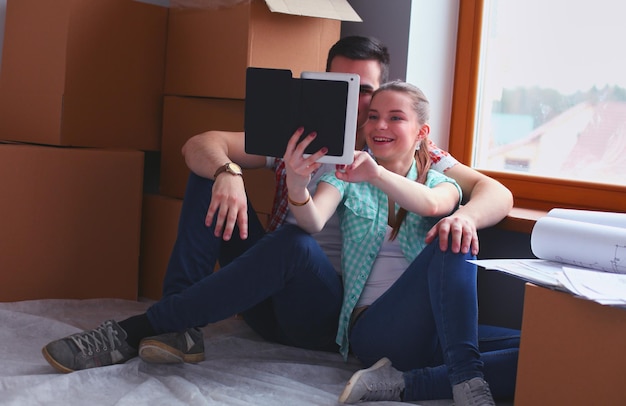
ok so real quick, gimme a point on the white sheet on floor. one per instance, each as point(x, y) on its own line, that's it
point(240, 367)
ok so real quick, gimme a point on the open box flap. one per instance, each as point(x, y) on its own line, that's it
point(333, 9)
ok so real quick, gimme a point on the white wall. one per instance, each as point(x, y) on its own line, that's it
point(431, 58)
point(421, 37)
point(389, 22)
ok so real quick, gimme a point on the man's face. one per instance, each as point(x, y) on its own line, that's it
point(369, 72)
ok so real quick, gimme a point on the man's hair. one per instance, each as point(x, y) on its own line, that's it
point(361, 48)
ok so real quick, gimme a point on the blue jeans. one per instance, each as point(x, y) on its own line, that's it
point(282, 283)
point(427, 325)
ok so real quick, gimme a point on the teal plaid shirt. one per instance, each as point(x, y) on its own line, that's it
point(363, 212)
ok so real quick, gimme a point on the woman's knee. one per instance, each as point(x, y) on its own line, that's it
point(293, 237)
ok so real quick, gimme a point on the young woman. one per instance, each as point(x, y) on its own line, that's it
point(404, 301)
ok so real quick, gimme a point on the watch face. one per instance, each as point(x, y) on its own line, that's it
point(234, 168)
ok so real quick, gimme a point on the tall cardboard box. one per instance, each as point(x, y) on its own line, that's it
point(159, 227)
point(572, 351)
point(71, 222)
point(184, 117)
point(208, 50)
point(83, 73)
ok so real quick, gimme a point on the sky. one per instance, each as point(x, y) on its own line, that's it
point(562, 44)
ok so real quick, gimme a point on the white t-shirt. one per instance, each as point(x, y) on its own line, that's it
point(389, 265)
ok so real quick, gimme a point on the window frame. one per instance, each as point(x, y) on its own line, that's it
point(530, 192)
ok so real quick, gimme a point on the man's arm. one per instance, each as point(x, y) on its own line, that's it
point(204, 154)
point(487, 202)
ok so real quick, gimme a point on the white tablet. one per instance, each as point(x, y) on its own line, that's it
point(277, 104)
point(350, 118)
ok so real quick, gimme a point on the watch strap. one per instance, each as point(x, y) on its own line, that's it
point(225, 168)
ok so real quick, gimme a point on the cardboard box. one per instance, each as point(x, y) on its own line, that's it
point(184, 117)
point(159, 227)
point(83, 73)
point(209, 50)
point(71, 222)
point(572, 351)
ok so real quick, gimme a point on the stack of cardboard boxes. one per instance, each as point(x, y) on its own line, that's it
point(88, 86)
point(80, 100)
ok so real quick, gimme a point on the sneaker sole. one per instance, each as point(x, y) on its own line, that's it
point(54, 363)
point(155, 352)
point(357, 375)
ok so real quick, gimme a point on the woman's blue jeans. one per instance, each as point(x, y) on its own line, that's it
point(282, 283)
point(427, 325)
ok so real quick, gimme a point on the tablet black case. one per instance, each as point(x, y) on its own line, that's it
point(277, 104)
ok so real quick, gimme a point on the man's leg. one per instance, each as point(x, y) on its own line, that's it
point(305, 312)
point(494, 338)
point(197, 249)
point(288, 267)
point(193, 258)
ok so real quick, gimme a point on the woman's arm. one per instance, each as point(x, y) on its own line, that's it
point(417, 198)
point(413, 196)
point(311, 213)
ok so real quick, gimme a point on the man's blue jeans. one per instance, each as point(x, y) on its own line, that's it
point(282, 283)
point(427, 325)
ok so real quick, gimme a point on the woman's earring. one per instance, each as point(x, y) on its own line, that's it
point(417, 147)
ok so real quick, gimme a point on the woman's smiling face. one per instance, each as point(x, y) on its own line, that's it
point(393, 129)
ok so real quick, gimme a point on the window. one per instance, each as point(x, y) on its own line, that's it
point(540, 100)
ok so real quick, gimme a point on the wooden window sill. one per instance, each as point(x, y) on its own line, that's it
point(521, 220)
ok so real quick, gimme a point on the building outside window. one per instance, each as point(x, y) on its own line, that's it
point(545, 82)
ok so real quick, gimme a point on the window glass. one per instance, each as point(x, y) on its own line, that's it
point(552, 90)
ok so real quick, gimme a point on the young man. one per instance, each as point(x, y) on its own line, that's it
point(286, 284)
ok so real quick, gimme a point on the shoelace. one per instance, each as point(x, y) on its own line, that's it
point(382, 391)
point(95, 340)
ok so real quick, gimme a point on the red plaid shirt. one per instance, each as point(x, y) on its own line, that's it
point(280, 205)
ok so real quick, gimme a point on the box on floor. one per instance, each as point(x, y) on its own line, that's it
point(71, 224)
point(572, 351)
point(83, 73)
point(159, 226)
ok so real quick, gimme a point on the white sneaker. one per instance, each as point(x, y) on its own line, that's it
point(381, 381)
point(474, 392)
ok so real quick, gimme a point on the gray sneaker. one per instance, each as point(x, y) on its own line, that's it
point(474, 392)
point(173, 348)
point(105, 345)
point(381, 381)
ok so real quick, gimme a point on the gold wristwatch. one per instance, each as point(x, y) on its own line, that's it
point(229, 167)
